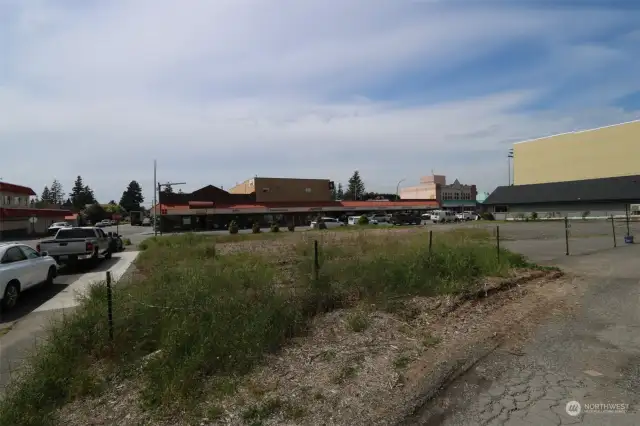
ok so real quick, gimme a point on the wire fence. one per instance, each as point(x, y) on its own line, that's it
point(537, 239)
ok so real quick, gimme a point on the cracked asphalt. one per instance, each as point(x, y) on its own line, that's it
point(591, 356)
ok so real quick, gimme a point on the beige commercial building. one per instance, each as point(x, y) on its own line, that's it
point(591, 154)
point(277, 190)
point(434, 187)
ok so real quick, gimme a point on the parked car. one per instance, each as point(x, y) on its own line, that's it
point(329, 221)
point(465, 216)
point(378, 218)
point(146, 221)
point(81, 243)
point(405, 219)
point(54, 228)
point(103, 223)
point(443, 216)
point(21, 267)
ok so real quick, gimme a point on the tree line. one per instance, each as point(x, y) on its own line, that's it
point(355, 191)
point(82, 200)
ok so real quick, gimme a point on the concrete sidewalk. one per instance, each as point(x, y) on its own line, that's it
point(592, 357)
point(26, 333)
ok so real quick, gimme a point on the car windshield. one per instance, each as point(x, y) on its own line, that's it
point(75, 233)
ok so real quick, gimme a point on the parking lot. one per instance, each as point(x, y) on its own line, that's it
point(545, 241)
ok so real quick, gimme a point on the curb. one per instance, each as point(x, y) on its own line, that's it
point(445, 374)
point(447, 371)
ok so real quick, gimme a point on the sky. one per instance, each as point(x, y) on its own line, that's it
point(219, 91)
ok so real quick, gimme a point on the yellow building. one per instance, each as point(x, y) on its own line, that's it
point(591, 154)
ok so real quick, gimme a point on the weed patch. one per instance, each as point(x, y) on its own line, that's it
point(210, 318)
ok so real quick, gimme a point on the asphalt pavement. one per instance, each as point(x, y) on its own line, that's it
point(582, 369)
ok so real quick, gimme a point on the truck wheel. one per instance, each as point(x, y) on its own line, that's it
point(51, 274)
point(11, 293)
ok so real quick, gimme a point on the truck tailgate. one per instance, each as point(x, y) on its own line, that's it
point(64, 247)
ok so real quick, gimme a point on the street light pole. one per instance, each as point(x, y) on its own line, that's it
point(155, 216)
point(509, 157)
point(398, 188)
point(155, 198)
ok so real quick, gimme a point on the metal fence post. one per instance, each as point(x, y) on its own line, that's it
point(110, 305)
point(566, 233)
point(613, 230)
point(316, 260)
point(498, 240)
point(430, 240)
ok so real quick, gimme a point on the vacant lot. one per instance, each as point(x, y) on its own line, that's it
point(263, 330)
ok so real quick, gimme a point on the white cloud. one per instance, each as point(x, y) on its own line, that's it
point(218, 91)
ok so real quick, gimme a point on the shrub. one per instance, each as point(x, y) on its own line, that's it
point(291, 227)
point(534, 216)
point(585, 215)
point(487, 216)
point(255, 228)
point(233, 227)
point(363, 220)
point(275, 227)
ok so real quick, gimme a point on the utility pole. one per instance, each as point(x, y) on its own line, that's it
point(398, 188)
point(155, 198)
point(509, 157)
point(159, 189)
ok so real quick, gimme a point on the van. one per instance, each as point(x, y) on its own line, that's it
point(443, 216)
point(353, 220)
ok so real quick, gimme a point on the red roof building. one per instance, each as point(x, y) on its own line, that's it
point(18, 217)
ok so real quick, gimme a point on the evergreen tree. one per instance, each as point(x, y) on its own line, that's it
point(81, 195)
point(167, 189)
point(56, 193)
point(355, 188)
point(87, 193)
point(339, 192)
point(132, 197)
point(46, 196)
point(334, 193)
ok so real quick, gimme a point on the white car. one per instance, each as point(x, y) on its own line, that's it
point(54, 228)
point(443, 216)
point(21, 267)
point(464, 216)
point(329, 221)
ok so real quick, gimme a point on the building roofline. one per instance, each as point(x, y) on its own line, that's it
point(577, 131)
point(16, 189)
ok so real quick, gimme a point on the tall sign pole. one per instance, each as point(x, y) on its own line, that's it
point(509, 158)
point(155, 198)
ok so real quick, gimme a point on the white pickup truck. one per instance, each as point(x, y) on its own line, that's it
point(73, 244)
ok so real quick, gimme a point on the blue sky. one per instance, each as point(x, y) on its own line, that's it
point(218, 91)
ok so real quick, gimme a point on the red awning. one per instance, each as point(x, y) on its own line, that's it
point(8, 212)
